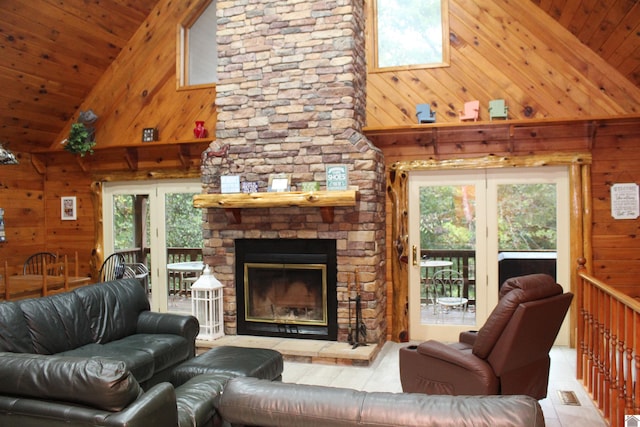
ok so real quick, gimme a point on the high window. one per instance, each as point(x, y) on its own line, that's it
point(198, 59)
point(409, 34)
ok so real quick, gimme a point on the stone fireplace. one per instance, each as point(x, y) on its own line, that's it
point(291, 99)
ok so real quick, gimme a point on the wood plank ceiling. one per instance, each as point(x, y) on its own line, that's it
point(55, 51)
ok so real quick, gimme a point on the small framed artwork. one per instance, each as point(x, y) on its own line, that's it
point(249, 187)
point(279, 182)
point(337, 177)
point(230, 184)
point(68, 208)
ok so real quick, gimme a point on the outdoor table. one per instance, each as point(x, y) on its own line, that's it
point(187, 268)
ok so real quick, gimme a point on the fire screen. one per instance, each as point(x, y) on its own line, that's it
point(292, 294)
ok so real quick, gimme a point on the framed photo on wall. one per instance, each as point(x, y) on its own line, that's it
point(68, 208)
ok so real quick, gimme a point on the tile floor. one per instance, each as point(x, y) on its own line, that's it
point(377, 370)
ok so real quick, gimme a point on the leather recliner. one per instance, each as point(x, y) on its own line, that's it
point(508, 355)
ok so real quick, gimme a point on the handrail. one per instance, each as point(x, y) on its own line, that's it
point(608, 353)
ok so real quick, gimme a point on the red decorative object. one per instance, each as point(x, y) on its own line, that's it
point(199, 131)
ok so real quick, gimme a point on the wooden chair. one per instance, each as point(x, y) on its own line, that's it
point(498, 109)
point(470, 111)
point(424, 114)
point(33, 264)
point(55, 269)
point(5, 282)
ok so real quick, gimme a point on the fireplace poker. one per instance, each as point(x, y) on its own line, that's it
point(350, 334)
point(361, 328)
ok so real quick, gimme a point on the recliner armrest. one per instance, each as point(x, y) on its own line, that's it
point(468, 337)
point(450, 354)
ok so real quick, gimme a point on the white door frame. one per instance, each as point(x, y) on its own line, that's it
point(156, 190)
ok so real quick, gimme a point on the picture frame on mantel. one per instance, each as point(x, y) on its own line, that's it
point(279, 182)
point(68, 211)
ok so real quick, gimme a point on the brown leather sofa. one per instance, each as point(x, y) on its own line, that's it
point(508, 355)
point(254, 402)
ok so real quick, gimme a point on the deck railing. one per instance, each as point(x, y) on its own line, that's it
point(608, 348)
point(135, 255)
point(463, 261)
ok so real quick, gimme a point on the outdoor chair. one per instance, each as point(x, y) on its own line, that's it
point(113, 268)
point(448, 288)
point(508, 355)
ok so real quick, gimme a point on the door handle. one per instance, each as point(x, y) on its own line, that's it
point(415, 254)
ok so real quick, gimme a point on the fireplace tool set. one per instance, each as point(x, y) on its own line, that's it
point(357, 330)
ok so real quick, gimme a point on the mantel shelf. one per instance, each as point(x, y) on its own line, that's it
point(234, 202)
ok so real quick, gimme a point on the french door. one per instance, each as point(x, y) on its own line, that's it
point(159, 200)
point(463, 222)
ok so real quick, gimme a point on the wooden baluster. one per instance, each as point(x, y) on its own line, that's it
point(628, 392)
point(621, 358)
point(613, 388)
point(636, 353)
point(606, 356)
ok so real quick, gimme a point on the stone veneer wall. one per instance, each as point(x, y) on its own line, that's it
point(291, 99)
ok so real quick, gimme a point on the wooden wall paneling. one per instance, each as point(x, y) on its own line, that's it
point(527, 55)
point(149, 98)
point(65, 178)
point(616, 46)
point(22, 198)
point(609, 92)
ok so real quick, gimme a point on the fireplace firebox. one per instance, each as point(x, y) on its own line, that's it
point(287, 288)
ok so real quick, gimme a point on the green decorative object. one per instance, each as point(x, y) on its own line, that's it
point(81, 139)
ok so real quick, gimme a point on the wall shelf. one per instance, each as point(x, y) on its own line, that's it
point(233, 203)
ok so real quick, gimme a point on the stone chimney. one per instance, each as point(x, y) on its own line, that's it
point(291, 99)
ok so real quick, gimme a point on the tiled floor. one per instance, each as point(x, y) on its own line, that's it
point(331, 367)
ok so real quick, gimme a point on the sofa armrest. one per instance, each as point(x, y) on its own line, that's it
point(449, 354)
point(156, 407)
point(150, 322)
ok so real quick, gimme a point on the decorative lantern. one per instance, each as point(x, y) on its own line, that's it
point(207, 305)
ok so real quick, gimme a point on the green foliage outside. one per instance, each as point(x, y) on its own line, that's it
point(526, 217)
point(183, 228)
point(409, 32)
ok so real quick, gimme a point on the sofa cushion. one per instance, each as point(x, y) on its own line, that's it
point(165, 349)
point(99, 383)
point(113, 308)
point(56, 323)
point(14, 332)
point(139, 362)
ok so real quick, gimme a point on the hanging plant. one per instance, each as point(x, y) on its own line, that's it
point(81, 139)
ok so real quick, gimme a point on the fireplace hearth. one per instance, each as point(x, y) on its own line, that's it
point(287, 288)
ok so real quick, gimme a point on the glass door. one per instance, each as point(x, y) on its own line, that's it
point(447, 278)
point(157, 222)
point(474, 229)
point(529, 230)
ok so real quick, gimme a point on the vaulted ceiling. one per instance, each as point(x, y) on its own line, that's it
point(54, 51)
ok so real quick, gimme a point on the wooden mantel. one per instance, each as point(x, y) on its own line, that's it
point(233, 203)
